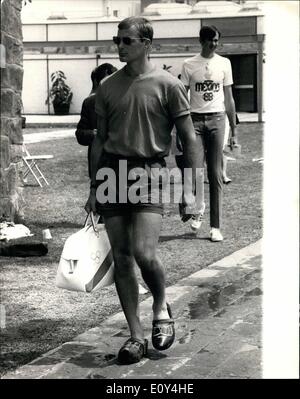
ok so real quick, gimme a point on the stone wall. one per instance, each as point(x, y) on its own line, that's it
point(11, 136)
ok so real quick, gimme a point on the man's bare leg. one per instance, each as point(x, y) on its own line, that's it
point(145, 235)
point(119, 230)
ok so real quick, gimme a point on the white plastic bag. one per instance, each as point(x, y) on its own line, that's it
point(10, 231)
point(86, 262)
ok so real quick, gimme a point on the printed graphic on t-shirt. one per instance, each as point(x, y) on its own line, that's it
point(207, 88)
point(206, 79)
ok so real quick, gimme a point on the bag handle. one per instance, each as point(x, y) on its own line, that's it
point(94, 220)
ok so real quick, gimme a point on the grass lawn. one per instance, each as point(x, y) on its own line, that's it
point(40, 316)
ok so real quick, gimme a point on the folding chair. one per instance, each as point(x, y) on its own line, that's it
point(32, 167)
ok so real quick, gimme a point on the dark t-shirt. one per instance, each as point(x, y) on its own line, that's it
point(140, 112)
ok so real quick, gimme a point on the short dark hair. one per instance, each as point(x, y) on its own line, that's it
point(208, 32)
point(101, 71)
point(143, 26)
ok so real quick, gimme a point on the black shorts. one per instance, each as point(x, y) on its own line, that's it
point(148, 188)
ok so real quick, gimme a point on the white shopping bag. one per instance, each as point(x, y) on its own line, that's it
point(86, 262)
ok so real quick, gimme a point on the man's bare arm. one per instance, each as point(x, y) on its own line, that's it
point(186, 133)
point(187, 136)
point(231, 112)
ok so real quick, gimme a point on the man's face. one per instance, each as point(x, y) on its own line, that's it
point(210, 45)
point(135, 50)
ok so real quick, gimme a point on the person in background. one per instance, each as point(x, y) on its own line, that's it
point(208, 78)
point(87, 125)
point(137, 108)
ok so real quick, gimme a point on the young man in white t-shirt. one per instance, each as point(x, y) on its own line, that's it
point(208, 77)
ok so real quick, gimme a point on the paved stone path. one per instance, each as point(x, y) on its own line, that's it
point(218, 332)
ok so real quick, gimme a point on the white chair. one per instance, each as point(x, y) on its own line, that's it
point(31, 162)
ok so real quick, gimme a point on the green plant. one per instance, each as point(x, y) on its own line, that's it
point(60, 93)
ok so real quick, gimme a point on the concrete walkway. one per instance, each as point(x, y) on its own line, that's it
point(56, 120)
point(218, 319)
point(64, 120)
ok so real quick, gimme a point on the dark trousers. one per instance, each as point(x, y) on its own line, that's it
point(210, 130)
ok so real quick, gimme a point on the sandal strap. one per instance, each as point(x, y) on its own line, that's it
point(163, 321)
point(137, 343)
point(169, 311)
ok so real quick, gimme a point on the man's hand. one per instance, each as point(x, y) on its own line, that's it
point(233, 141)
point(90, 206)
point(187, 208)
point(186, 212)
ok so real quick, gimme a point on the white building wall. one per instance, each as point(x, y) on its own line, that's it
point(78, 67)
point(107, 30)
point(77, 70)
point(34, 33)
point(40, 10)
point(34, 91)
point(71, 32)
point(177, 28)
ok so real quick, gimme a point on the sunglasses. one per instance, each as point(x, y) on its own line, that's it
point(127, 40)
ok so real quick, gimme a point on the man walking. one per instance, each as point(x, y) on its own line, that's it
point(87, 125)
point(208, 76)
point(137, 107)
